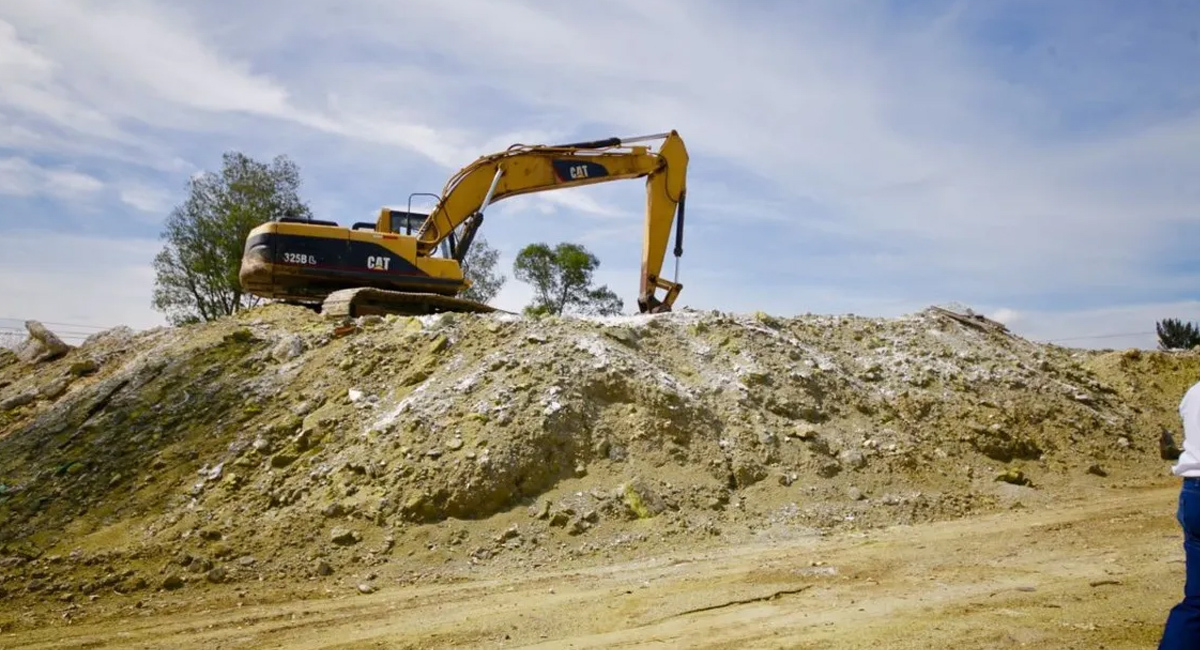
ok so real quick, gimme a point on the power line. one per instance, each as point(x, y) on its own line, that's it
point(5, 328)
point(46, 322)
point(55, 330)
point(60, 332)
point(1100, 336)
point(61, 335)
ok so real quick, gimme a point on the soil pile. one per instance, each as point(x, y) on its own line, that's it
point(276, 445)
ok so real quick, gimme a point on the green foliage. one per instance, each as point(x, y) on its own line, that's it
point(1174, 334)
point(196, 273)
point(480, 267)
point(562, 280)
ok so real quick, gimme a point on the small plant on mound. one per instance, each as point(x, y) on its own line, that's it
point(1174, 334)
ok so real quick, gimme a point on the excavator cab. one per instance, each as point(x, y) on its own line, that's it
point(406, 222)
point(403, 222)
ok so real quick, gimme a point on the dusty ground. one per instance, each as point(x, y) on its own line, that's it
point(1095, 570)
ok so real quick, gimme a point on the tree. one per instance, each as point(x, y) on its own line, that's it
point(196, 272)
point(480, 266)
point(562, 279)
point(1174, 334)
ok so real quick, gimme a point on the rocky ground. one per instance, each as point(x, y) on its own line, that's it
point(278, 455)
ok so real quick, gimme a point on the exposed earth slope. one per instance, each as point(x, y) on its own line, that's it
point(276, 448)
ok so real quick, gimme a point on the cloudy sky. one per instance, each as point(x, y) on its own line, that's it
point(1037, 162)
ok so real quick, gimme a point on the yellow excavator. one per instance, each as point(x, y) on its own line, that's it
point(411, 263)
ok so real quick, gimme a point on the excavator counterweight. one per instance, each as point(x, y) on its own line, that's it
point(411, 263)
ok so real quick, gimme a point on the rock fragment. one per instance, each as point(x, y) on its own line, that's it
point(344, 536)
point(83, 367)
point(439, 343)
point(42, 344)
point(54, 389)
point(852, 458)
point(18, 400)
point(1013, 476)
point(641, 500)
point(289, 347)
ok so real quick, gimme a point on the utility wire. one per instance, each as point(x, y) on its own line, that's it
point(46, 322)
point(67, 330)
point(60, 334)
point(56, 331)
point(1100, 336)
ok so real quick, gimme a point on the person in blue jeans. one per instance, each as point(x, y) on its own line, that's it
point(1182, 630)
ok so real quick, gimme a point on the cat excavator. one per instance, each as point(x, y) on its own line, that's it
point(410, 262)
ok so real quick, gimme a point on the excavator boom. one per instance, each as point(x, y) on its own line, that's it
point(525, 169)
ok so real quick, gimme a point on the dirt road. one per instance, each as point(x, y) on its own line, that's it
point(1099, 571)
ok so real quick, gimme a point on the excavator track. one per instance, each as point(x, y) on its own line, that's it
point(363, 301)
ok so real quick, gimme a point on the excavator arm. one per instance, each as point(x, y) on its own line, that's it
point(523, 169)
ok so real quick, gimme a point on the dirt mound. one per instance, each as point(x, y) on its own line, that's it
point(278, 445)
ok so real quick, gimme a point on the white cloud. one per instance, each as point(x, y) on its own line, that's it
point(171, 76)
point(136, 50)
point(1006, 316)
point(513, 296)
point(28, 78)
point(19, 177)
point(579, 201)
point(153, 200)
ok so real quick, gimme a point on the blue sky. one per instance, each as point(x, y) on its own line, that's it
point(1034, 161)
